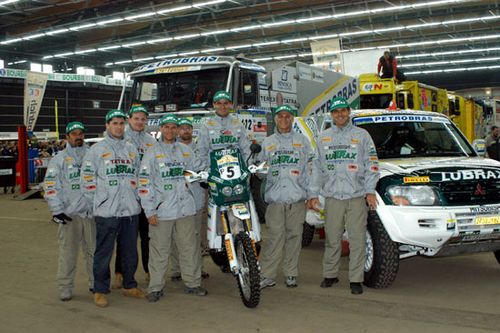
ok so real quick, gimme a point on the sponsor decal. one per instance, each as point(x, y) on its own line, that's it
point(149, 145)
point(352, 167)
point(373, 158)
point(271, 147)
point(485, 209)
point(275, 173)
point(113, 182)
point(186, 154)
point(69, 160)
point(470, 174)
point(326, 139)
point(374, 168)
point(132, 155)
point(167, 187)
point(50, 193)
point(479, 190)
point(173, 172)
point(88, 178)
point(75, 186)
point(398, 118)
point(143, 191)
point(50, 183)
point(143, 181)
point(341, 155)
point(298, 145)
point(90, 187)
point(295, 172)
point(354, 141)
point(106, 155)
point(133, 183)
point(160, 156)
point(422, 179)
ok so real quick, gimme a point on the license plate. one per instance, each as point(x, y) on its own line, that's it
point(487, 220)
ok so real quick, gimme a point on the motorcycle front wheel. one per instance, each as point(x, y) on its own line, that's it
point(248, 277)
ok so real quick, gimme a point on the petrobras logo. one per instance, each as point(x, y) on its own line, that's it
point(176, 62)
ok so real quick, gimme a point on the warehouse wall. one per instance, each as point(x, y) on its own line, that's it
point(75, 102)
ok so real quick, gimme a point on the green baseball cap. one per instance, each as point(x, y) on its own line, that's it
point(115, 114)
point(222, 94)
point(169, 119)
point(338, 103)
point(138, 108)
point(185, 121)
point(285, 108)
point(73, 126)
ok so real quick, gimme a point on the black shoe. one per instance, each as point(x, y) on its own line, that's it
point(198, 291)
point(356, 288)
point(176, 277)
point(205, 275)
point(154, 296)
point(328, 282)
point(225, 269)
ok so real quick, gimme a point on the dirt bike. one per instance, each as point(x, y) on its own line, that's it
point(233, 225)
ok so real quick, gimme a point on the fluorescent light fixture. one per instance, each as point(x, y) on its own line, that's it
point(295, 40)
point(109, 63)
point(86, 51)
point(35, 67)
point(123, 62)
point(83, 26)
point(277, 24)
point(110, 21)
point(171, 55)
point(208, 3)
point(266, 43)
point(264, 59)
point(213, 50)
point(235, 47)
point(159, 40)
point(10, 41)
point(133, 44)
point(460, 69)
point(286, 57)
point(175, 9)
point(2, 63)
point(143, 59)
point(314, 19)
point(7, 2)
point(423, 25)
point(186, 36)
point(34, 36)
point(216, 32)
point(106, 48)
point(245, 28)
point(55, 32)
point(188, 53)
point(133, 17)
point(63, 54)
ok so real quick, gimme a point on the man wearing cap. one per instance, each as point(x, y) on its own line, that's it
point(170, 208)
point(185, 136)
point(136, 135)
point(70, 210)
point(286, 153)
point(222, 130)
point(345, 172)
point(109, 173)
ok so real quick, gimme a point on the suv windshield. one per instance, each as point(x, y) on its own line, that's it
point(401, 139)
point(179, 91)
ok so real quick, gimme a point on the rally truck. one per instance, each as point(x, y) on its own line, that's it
point(436, 196)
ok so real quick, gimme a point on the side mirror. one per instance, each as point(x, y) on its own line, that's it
point(255, 148)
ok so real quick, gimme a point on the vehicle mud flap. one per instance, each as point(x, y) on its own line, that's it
point(382, 262)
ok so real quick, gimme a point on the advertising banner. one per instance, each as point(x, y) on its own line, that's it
point(34, 89)
point(326, 54)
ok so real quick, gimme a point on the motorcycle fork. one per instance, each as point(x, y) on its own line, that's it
point(229, 244)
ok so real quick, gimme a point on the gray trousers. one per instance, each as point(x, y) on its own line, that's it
point(201, 235)
point(340, 215)
point(284, 224)
point(72, 235)
point(183, 232)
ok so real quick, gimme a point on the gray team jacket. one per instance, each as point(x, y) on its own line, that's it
point(62, 183)
point(199, 193)
point(109, 178)
point(346, 164)
point(287, 156)
point(162, 187)
point(141, 140)
point(220, 133)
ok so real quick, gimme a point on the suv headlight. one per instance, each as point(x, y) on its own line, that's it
point(412, 195)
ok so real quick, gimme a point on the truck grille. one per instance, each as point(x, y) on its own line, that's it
point(471, 192)
point(466, 223)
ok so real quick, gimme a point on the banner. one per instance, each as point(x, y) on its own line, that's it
point(284, 79)
point(326, 54)
point(34, 89)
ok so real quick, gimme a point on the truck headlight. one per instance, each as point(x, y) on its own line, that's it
point(412, 195)
point(238, 189)
point(227, 191)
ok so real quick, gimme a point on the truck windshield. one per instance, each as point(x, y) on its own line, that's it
point(179, 91)
point(401, 139)
point(376, 101)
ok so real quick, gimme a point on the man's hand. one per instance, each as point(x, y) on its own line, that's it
point(371, 200)
point(153, 220)
point(61, 218)
point(313, 204)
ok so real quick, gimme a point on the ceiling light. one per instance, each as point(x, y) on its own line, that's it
point(34, 36)
point(7, 2)
point(83, 26)
point(159, 40)
point(186, 36)
point(175, 9)
point(143, 59)
point(106, 48)
point(123, 62)
point(104, 22)
point(55, 32)
point(63, 54)
point(133, 17)
point(86, 51)
point(133, 44)
point(213, 50)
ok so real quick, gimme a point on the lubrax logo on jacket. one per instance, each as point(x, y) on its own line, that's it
point(285, 157)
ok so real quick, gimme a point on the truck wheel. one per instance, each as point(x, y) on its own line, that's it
point(497, 255)
point(382, 255)
point(307, 234)
point(257, 187)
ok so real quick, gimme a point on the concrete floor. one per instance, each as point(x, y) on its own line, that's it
point(458, 294)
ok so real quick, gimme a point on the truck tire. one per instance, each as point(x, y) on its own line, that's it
point(307, 234)
point(257, 186)
point(497, 255)
point(382, 255)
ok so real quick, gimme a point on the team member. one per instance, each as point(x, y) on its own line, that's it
point(286, 153)
point(170, 208)
point(185, 136)
point(135, 134)
point(492, 144)
point(345, 172)
point(70, 211)
point(109, 173)
point(222, 130)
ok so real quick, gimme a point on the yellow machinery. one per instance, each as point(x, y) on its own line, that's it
point(468, 116)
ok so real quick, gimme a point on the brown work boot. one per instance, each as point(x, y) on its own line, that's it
point(118, 284)
point(134, 292)
point(100, 300)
